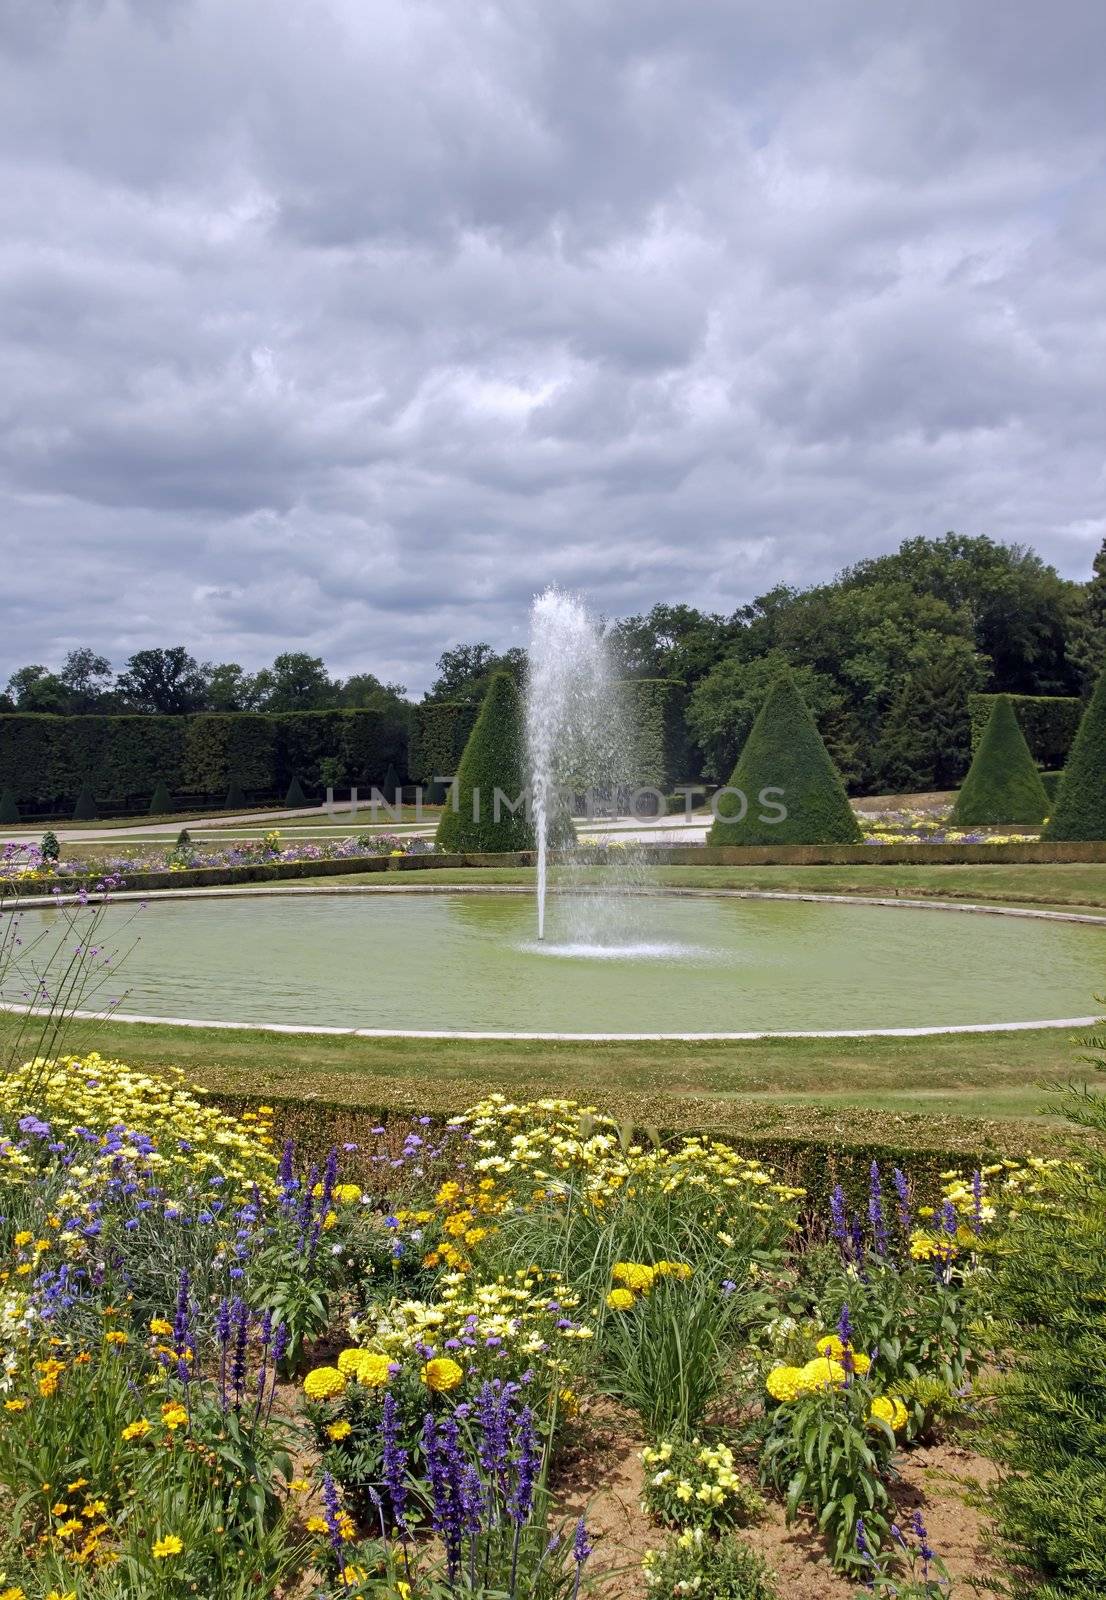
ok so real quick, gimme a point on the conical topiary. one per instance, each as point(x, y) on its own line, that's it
point(161, 801)
point(85, 809)
point(235, 800)
point(390, 785)
point(784, 755)
point(494, 758)
point(295, 796)
point(1003, 783)
point(9, 807)
point(1080, 808)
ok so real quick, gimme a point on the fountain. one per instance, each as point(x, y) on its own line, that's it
point(578, 736)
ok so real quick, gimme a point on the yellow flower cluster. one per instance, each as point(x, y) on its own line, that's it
point(189, 1138)
point(542, 1149)
point(699, 1473)
point(531, 1314)
point(633, 1278)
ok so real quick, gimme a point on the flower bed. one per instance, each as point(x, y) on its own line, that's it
point(39, 863)
point(228, 1369)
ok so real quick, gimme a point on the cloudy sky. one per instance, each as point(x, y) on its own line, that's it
point(344, 325)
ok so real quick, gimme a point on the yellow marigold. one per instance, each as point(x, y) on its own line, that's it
point(785, 1383)
point(441, 1374)
point(323, 1382)
point(924, 1247)
point(171, 1545)
point(136, 1430)
point(316, 1525)
point(822, 1373)
point(620, 1300)
point(159, 1326)
point(889, 1409)
point(339, 1430)
point(347, 1193)
point(673, 1269)
point(173, 1415)
point(369, 1367)
point(633, 1275)
point(16, 1405)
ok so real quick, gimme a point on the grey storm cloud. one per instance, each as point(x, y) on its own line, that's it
point(345, 326)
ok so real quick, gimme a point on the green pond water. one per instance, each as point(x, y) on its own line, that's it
point(653, 964)
point(631, 965)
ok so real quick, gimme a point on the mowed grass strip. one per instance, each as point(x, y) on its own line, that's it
point(923, 1088)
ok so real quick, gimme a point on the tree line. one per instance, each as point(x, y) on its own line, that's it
point(885, 655)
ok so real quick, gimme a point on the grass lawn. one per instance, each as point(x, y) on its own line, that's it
point(916, 1090)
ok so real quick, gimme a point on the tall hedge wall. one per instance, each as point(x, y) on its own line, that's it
point(44, 759)
point(439, 733)
point(1048, 721)
point(657, 707)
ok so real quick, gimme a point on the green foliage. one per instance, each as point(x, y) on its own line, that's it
point(924, 742)
point(657, 711)
point(712, 1569)
point(9, 808)
point(784, 763)
point(1049, 1418)
point(1003, 784)
point(235, 799)
point(85, 808)
point(1080, 809)
point(1049, 722)
point(666, 1355)
point(161, 801)
point(440, 730)
point(824, 1452)
point(295, 796)
point(44, 759)
point(494, 761)
point(725, 704)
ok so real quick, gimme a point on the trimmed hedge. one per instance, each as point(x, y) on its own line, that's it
point(1048, 721)
point(494, 759)
point(784, 754)
point(439, 733)
point(1003, 784)
point(45, 759)
point(161, 801)
point(1080, 809)
point(656, 707)
point(9, 810)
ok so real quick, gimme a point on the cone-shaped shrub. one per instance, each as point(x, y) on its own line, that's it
point(390, 785)
point(494, 758)
point(1080, 808)
point(85, 809)
point(161, 802)
point(1003, 783)
point(236, 799)
point(9, 808)
point(295, 796)
point(784, 751)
